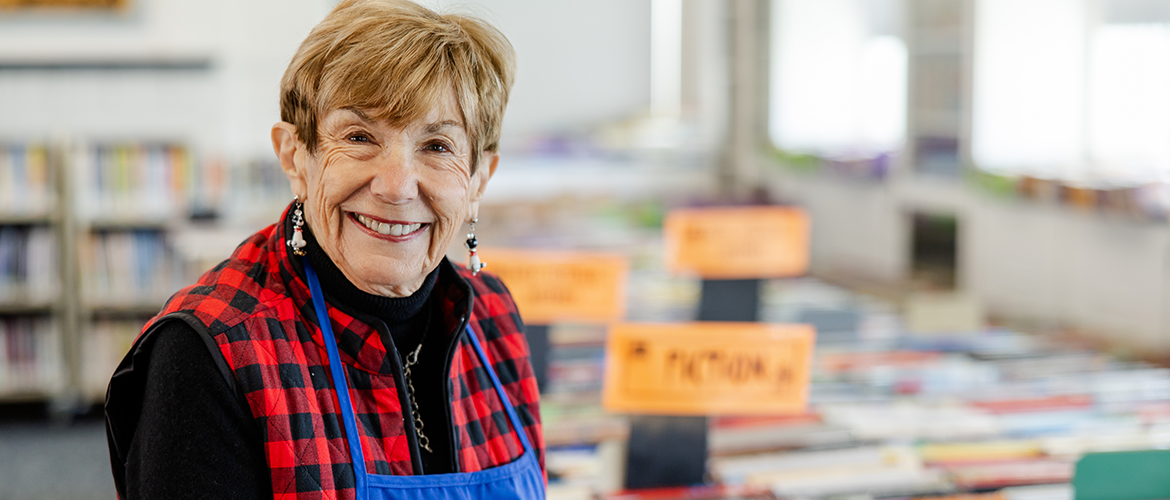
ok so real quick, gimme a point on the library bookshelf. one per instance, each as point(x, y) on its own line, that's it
point(87, 252)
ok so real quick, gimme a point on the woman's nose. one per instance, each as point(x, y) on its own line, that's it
point(395, 178)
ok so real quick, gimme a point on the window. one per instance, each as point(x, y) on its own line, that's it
point(838, 82)
point(1076, 90)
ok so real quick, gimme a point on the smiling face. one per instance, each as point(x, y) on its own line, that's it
point(384, 201)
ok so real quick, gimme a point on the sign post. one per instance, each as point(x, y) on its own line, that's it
point(555, 286)
point(732, 249)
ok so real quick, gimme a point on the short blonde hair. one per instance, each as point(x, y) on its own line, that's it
point(399, 59)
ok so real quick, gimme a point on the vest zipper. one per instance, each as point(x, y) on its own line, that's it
point(403, 399)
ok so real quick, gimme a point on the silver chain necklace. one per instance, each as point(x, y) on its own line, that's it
point(412, 360)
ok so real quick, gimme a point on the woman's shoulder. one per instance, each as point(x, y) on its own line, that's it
point(487, 288)
point(492, 302)
point(238, 288)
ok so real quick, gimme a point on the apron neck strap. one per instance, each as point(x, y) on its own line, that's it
point(341, 386)
point(487, 364)
point(337, 371)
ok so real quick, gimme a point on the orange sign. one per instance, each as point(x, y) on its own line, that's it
point(551, 286)
point(707, 368)
point(737, 242)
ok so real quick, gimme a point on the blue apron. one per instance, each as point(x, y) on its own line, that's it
point(521, 479)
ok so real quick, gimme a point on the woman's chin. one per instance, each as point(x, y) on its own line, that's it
point(378, 272)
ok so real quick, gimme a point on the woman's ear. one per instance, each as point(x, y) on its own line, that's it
point(285, 145)
point(488, 162)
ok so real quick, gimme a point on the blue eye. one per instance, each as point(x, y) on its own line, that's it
point(358, 138)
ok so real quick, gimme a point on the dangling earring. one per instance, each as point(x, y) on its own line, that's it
point(473, 263)
point(297, 242)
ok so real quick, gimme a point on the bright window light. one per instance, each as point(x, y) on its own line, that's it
point(1129, 102)
point(1027, 102)
point(666, 57)
point(837, 88)
point(1060, 94)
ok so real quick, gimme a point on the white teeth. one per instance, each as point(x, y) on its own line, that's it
point(389, 229)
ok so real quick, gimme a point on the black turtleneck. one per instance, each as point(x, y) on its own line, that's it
point(405, 317)
point(409, 321)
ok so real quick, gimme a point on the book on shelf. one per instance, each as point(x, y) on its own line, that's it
point(30, 355)
point(132, 180)
point(28, 264)
point(26, 180)
point(133, 268)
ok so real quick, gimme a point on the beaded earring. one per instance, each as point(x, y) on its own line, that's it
point(473, 263)
point(297, 241)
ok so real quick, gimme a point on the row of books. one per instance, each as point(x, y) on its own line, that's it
point(165, 180)
point(28, 264)
point(26, 180)
point(862, 167)
point(129, 268)
point(896, 411)
point(30, 355)
point(131, 179)
point(899, 414)
point(1148, 201)
point(255, 190)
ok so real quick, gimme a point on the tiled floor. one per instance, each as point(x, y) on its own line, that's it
point(52, 461)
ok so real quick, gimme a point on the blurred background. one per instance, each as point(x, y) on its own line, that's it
point(988, 183)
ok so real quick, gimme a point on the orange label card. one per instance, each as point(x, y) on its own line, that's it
point(737, 242)
point(707, 368)
point(554, 286)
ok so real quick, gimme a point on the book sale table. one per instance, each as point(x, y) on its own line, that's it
point(889, 409)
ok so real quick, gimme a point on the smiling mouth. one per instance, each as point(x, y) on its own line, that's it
point(388, 228)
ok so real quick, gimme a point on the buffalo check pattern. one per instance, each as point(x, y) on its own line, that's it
point(256, 307)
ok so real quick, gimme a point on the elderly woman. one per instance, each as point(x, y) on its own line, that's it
point(338, 353)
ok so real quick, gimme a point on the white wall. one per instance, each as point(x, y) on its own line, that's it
point(226, 109)
point(581, 64)
point(1064, 266)
point(857, 228)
